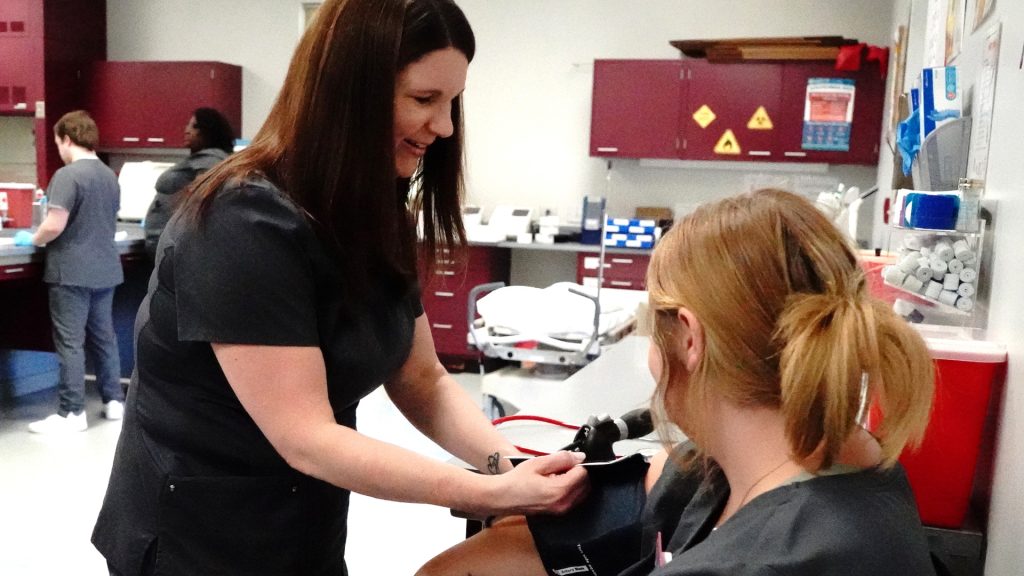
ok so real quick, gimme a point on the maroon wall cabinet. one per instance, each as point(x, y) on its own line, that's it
point(21, 56)
point(693, 110)
point(865, 130)
point(44, 46)
point(635, 112)
point(148, 104)
point(731, 111)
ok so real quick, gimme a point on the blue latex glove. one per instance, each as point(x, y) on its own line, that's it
point(908, 139)
point(23, 238)
point(940, 115)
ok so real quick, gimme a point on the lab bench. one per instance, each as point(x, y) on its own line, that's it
point(26, 342)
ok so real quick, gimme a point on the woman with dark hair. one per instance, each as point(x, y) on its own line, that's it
point(284, 292)
point(209, 139)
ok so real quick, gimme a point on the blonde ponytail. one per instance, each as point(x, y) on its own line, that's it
point(829, 343)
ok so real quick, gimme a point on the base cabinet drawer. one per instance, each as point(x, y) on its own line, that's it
point(622, 271)
point(445, 295)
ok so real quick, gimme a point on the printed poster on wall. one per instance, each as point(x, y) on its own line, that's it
point(828, 114)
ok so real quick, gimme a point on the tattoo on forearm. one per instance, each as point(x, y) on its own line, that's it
point(492, 463)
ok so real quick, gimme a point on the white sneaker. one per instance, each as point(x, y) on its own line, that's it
point(57, 424)
point(113, 410)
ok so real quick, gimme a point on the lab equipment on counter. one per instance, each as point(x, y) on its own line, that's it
point(630, 233)
point(138, 187)
point(16, 204)
point(593, 216)
point(506, 222)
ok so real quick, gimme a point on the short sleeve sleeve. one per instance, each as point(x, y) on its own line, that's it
point(62, 192)
point(243, 275)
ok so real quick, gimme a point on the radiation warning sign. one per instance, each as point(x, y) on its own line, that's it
point(760, 120)
point(727, 144)
point(704, 116)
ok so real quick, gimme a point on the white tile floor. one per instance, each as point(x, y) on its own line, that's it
point(51, 490)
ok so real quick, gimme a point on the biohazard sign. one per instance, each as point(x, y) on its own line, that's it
point(727, 144)
point(704, 116)
point(760, 120)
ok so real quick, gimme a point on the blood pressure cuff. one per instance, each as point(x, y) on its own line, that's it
point(602, 535)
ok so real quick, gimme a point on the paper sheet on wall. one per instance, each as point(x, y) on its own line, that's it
point(935, 34)
point(985, 90)
point(954, 29)
point(981, 11)
point(828, 114)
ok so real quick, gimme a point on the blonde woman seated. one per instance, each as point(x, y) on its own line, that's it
point(765, 342)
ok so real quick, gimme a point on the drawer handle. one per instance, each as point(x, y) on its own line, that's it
point(622, 260)
point(795, 154)
point(607, 149)
point(13, 270)
point(444, 294)
point(442, 326)
point(129, 139)
point(759, 153)
point(155, 140)
point(621, 283)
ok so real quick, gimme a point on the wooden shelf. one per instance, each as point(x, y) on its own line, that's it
point(755, 49)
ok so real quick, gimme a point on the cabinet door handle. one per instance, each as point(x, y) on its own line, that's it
point(795, 154)
point(759, 153)
point(129, 139)
point(13, 270)
point(444, 294)
point(621, 283)
point(155, 140)
point(622, 260)
point(445, 272)
point(442, 326)
point(608, 149)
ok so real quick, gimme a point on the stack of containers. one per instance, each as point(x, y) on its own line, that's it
point(941, 267)
point(630, 233)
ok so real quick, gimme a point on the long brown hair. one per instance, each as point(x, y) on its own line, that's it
point(787, 324)
point(328, 140)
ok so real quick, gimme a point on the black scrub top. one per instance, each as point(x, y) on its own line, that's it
point(196, 488)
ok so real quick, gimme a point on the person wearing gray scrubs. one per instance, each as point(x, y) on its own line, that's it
point(82, 270)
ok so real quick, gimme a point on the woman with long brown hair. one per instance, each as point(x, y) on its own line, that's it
point(284, 292)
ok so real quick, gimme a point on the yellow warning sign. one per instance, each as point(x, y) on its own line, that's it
point(760, 120)
point(704, 116)
point(727, 144)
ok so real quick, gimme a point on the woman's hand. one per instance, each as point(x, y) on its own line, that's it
point(547, 484)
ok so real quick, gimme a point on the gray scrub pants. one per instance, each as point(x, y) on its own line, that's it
point(83, 323)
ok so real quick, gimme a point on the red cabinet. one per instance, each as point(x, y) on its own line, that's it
point(21, 52)
point(695, 110)
point(865, 130)
point(635, 111)
point(148, 104)
point(725, 104)
point(445, 296)
point(44, 47)
point(622, 271)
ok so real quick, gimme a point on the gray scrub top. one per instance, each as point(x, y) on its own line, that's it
point(85, 253)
